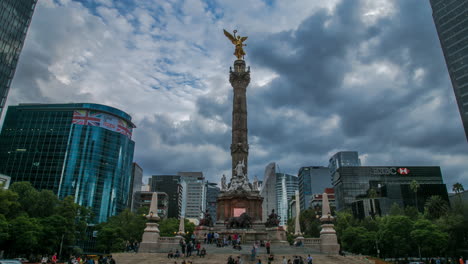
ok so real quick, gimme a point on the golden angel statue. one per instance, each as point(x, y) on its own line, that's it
point(238, 41)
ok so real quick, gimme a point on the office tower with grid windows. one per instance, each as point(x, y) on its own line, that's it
point(312, 180)
point(15, 17)
point(83, 150)
point(451, 21)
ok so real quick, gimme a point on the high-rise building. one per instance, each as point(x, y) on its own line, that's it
point(194, 195)
point(317, 200)
point(212, 192)
point(143, 199)
point(277, 191)
point(451, 21)
point(312, 180)
point(137, 181)
point(286, 186)
point(83, 150)
point(172, 185)
point(389, 185)
point(15, 17)
point(268, 191)
point(343, 159)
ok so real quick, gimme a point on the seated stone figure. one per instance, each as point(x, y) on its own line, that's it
point(273, 219)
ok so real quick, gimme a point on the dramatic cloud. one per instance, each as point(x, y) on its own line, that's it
point(327, 76)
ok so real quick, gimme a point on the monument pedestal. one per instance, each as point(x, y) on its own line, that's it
point(201, 231)
point(234, 203)
point(328, 240)
point(150, 239)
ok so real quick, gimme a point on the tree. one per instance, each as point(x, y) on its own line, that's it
point(395, 209)
point(393, 233)
point(169, 227)
point(27, 196)
point(414, 186)
point(25, 234)
point(458, 189)
point(359, 240)
point(435, 207)
point(4, 230)
point(9, 205)
point(429, 239)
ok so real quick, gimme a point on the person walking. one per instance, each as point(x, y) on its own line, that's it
point(461, 260)
point(268, 245)
point(189, 248)
point(284, 260)
point(198, 248)
point(253, 253)
point(309, 259)
point(183, 247)
point(54, 258)
point(296, 260)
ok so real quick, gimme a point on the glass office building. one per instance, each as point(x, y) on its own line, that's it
point(451, 21)
point(173, 186)
point(212, 192)
point(286, 186)
point(83, 150)
point(15, 17)
point(312, 180)
point(392, 184)
point(343, 159)
point(277, 191)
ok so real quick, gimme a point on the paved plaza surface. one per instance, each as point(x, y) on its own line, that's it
point(220, 255)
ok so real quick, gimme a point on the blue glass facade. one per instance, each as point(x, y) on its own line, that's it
point(286, 186)
point(451, 20)
point(83, 150)
point(312, 180)
point(15, 17)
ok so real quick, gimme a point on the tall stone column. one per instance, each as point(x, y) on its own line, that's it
point(239, 79)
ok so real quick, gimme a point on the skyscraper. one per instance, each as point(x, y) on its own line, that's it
point(286, 186)
point(212, 192)
point(15, 17)
point(277, 191)
point(172, 185)
point(312, 180)
point(343, 159)
point(194, 197)
point(137, 181)
point(84, 150)
point(451, 21)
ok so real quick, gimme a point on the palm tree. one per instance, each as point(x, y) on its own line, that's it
point(436, 207)
point(414, 186)
point(458, 188)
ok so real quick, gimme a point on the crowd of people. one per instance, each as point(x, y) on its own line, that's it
point(85, 259)
point(271, 258)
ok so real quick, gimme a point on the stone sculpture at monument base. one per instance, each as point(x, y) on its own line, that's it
point(150, 240)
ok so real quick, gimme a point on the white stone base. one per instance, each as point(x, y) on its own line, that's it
point(149, 243)
point(328, 240)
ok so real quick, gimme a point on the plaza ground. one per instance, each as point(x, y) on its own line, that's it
point(220, 256)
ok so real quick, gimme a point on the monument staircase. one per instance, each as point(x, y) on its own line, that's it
point(215, 257)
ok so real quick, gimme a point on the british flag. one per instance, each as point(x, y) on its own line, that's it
point(124, 129)
point(87, 118)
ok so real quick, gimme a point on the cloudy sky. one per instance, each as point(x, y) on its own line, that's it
point(328, 75)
